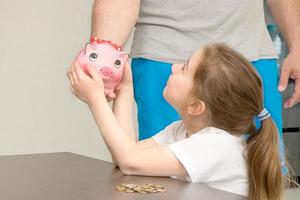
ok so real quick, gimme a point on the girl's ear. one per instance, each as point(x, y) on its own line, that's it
point(196, 108)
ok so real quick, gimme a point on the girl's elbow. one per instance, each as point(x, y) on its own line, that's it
point(126, 171)
point(128, 168)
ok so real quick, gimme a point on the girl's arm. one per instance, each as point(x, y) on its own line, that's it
point(156, 161)
point(153, 161)
point(123, 107)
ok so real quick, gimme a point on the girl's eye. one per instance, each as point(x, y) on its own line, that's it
point(93, 57)
point(117, 63)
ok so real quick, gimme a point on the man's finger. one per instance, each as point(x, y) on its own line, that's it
point(284, 78)
point(296, 96)
point(292, 101)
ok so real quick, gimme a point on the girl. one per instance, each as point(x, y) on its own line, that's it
point(218, 94)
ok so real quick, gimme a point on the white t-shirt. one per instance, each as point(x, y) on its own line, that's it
point(211, 156)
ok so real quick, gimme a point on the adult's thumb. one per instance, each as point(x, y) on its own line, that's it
point(284, 79)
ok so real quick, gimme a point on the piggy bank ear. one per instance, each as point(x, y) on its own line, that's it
point(124, 56)
point(90, 47)
point(121, 59)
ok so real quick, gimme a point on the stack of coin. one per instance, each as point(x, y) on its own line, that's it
point(142, 189)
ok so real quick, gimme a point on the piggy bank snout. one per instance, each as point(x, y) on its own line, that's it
point(107, 71)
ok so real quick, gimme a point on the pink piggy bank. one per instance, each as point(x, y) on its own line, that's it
point(107, 58)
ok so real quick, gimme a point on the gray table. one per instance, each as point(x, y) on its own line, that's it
point(68, 176)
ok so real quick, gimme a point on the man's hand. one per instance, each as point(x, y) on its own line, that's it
point(291, 69)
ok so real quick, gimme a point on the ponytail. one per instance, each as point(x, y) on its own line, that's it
point(264, 163)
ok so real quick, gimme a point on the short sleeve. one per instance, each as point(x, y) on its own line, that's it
point(167, 135)
point(203, 156)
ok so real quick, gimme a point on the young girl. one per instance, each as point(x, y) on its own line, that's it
point(218, 95)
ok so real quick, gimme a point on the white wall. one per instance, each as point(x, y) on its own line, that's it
point(38, 40)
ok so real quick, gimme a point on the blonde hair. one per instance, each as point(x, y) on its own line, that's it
point(232, 91)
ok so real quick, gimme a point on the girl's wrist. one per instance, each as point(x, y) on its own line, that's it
point(97, 99)
point(126, 90)
point(126, 87)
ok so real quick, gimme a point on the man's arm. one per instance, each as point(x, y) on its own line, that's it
point(286, 14)
point(114, 19)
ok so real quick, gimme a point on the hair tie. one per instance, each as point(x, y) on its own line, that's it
point(264, 114)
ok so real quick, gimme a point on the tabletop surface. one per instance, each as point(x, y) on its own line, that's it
point(68, 176)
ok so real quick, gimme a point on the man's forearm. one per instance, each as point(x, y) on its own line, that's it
point(286, 14)
point(114, 19)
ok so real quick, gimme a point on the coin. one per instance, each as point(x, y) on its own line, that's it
point(142, 189)
point(159, 186)
point(119, 188)
point(130, 186)
point(129, 191)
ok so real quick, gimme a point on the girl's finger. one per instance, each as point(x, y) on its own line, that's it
point(73, 91)
point(78, 71)
point(69, 74)
point(74, 75)
point(93, 72)
point(112, 96)
point(108, 99)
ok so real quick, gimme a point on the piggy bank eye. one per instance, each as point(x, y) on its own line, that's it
point(93, 57)
point(117, 63)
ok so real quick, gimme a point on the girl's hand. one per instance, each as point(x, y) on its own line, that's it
point(126, 82)
point(87, 87)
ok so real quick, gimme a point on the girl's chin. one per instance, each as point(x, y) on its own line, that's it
point(164, 92)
